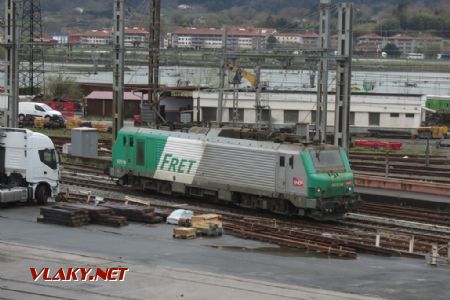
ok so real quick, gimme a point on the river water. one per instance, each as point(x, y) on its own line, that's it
point(425, 83)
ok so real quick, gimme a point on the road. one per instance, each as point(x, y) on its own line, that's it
point(226, 267)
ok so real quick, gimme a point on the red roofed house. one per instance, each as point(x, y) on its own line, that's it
point(237, 37)
point(289, 37)
point(405, 43)
point(91, 37)
point(311, 38)
point(370, 39)
point(99, 103)
point(133, 37)
point(370, 44)
point(172, 102)
point(429, 43)
point(308, 39)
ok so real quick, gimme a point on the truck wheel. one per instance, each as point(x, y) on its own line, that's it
point(47, 118)
point(21, 117)
point(42, 194)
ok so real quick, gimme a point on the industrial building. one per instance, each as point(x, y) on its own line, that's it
point(284, 108)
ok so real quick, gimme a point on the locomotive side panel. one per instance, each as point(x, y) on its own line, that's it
point(239, 168)
point(180, 160)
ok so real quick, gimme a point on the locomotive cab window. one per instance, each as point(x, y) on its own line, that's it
point(291, 161)
point(48, 157)
point(281, 161)
point(327, 160)
point(124, 140)
point(131, 141)
point(140, 158)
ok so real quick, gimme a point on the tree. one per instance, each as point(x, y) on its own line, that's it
point(63, 86)
point(271, 42)
point(392, 50)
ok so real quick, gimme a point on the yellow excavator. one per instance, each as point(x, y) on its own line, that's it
point(240, 73)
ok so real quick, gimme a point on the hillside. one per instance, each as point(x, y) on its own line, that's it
point(390, 16)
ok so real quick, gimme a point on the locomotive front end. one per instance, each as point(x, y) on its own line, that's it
point(330, 182)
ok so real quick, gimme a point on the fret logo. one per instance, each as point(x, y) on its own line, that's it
point(79, 274)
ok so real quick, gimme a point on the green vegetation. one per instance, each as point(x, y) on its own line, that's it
point(386, 17)
point(62, 86)
point(392, 50)
point(63, 132)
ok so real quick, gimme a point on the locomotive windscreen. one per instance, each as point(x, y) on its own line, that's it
point(327, 160)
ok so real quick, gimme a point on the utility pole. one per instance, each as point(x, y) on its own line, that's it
point(118, 62)
point(31, 49)
point(153, 61)
point(322, 86)
point(12, 62)
point(258, 105)
point(343, 76)
point(223, 61)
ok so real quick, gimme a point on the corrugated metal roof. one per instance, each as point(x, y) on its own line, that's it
point(128, 96)
point(202, 137)
point(232, 31)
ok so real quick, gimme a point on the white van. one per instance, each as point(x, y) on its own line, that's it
point(415, 56)
point(37, 110)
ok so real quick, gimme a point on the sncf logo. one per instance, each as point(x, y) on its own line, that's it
point(298, 182)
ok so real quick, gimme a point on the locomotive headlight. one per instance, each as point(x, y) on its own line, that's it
point(349, 189)
point(319, 190)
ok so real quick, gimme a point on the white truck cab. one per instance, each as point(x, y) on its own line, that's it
point(29, 166)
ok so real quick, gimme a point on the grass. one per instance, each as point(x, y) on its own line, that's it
point(63, 132)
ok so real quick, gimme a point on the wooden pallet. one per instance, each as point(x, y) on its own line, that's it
point(184, 233)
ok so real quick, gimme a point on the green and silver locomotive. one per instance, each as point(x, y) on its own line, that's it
point(314, 181)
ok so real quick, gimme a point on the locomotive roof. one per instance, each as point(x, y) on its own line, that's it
point(216, 139)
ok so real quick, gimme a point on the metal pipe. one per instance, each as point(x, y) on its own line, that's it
point(434, 255)
point(411, 245)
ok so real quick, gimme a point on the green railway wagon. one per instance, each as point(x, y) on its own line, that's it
point(315, 181)
point(438, 104)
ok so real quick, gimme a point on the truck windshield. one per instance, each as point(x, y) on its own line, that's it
point(327, 160)
point(48, 157)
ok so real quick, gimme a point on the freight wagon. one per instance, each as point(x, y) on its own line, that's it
point(313, 181)
point(438, 103)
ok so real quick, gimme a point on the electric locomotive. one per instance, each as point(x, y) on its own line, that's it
point(314, 181)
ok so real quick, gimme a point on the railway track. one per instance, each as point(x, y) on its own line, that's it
point(407, 213)
point(343, 239)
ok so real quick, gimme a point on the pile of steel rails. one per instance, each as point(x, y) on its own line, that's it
point(359, 233)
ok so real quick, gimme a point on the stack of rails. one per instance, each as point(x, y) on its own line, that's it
point(98, 215)
point(137, 213)
point(64, 216)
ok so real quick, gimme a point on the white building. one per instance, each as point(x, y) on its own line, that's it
point(284, 108)
point(134, 37)
point(211, 38)
point(307, 39)
point(289, 38)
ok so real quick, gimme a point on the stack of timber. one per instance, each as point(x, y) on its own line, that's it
point(64, 216)
point(163, 213)
point(137, 213)
point(207, 224)
point(97, 214)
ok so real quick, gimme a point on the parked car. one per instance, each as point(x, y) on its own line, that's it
point(36, 109)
